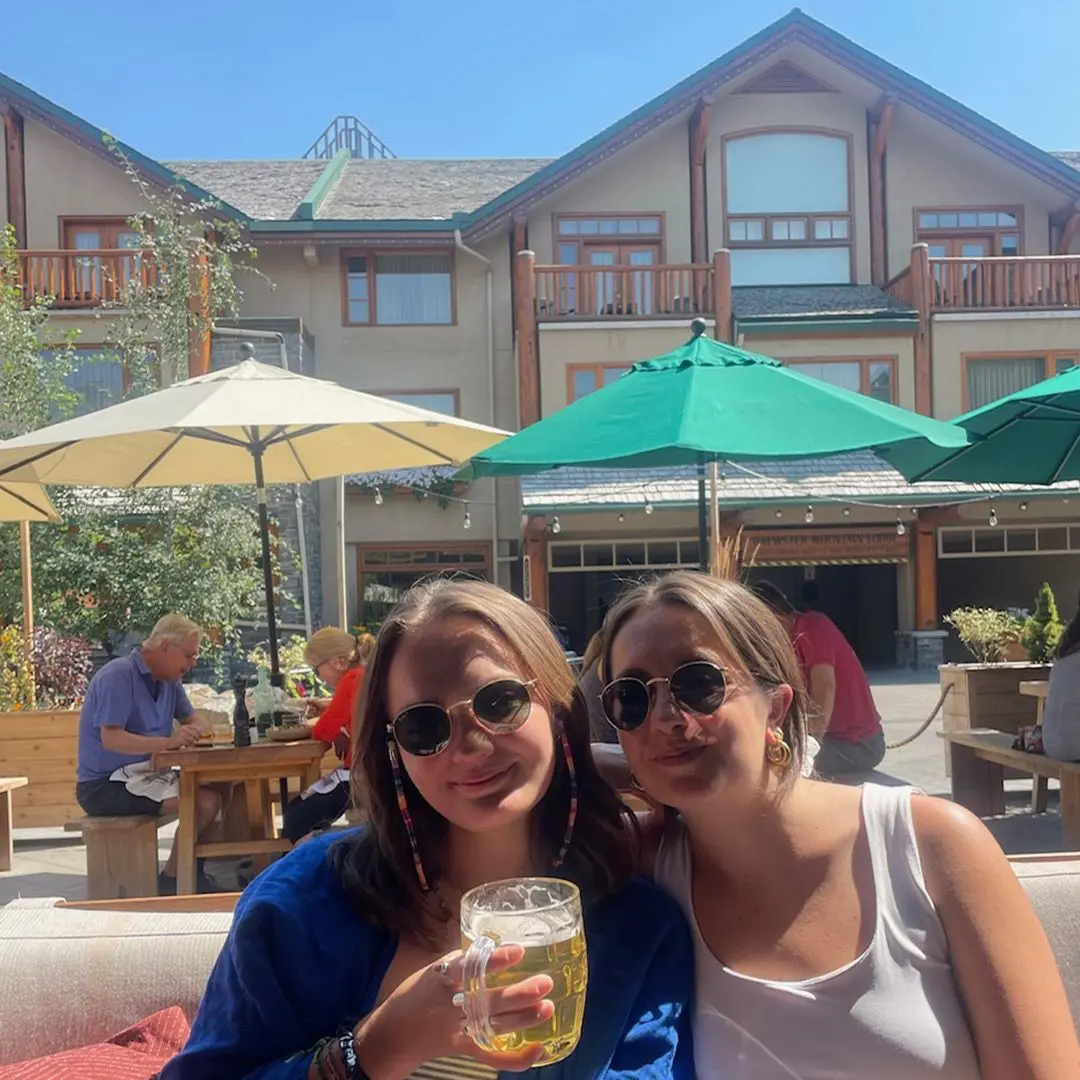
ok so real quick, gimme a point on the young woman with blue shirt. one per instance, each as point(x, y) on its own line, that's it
point(472, 761)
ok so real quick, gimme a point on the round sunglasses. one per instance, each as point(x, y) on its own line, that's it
point(697, 687)
point(499, 707)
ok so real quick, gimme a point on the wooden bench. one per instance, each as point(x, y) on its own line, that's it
point(979, 758)
point(7, 819)
point(121, 854)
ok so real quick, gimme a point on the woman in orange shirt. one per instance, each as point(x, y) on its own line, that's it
point(338, 659)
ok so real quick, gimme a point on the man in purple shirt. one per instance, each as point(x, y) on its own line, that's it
point(127, 716)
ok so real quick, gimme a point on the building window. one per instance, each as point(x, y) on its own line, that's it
point(873, 376)
point(582, 379)
point(960, 542)
point(97, 379)
point(440, 401)
point(988, 378)
point(106, 234)
point(392, 289)
point(974, 233)
point(385, 575)
point(787, 208)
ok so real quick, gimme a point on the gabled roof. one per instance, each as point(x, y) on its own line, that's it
point(796, 26)
point(31, 104)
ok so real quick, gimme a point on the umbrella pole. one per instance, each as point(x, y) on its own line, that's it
point(714, 519)
point(27, 594)
point(702, 519)
point(268, 570)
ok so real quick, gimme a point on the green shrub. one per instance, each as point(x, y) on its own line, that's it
point(985, 632)
point(1042, 628)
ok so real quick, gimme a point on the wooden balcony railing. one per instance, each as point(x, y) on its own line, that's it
point(1033, 282)
point(563, 293)
point(901, 288)
point(83, 279)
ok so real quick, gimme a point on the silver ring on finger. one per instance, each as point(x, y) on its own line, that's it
point(444, 967)
point(458, 1001)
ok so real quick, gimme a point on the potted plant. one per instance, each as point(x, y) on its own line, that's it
point(39, 722)
point(1043, 628)
point(986, 693)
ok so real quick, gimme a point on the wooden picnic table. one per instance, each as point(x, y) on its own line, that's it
point(7, 820)
point(254, 767)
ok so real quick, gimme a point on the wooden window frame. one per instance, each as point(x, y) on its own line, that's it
point(607, 239)
point(91, 347)
point(373, 301)
point(1050, 356)
point(104, 223)
point(809, 216)
point(926, 236)
point(598, 369)
point(864, 363)
point(455, 394)
point(482, 547)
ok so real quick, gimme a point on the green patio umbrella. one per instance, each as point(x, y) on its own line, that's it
point(1029, 437)
point(710, 402)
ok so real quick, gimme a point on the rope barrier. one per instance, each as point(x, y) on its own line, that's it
point(929, 720)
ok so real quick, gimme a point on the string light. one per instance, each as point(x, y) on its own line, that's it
point(847, 511)
point(992, 519)
point(809, 515)
point(467, 523)
point(1023, 506)
point(901, 528)
point(779, 514)
point(378, 497)
point(621, 518)
point(556, 525)
point(648, 505)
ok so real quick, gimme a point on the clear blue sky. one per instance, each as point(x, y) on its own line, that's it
point(479, 78)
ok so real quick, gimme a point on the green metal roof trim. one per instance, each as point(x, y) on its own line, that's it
point(32, 104)
point(355, 225)
point(777, 325)
point(680, 96)
point(311, 202)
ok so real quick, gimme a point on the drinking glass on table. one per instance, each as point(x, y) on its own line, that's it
point(544, 916)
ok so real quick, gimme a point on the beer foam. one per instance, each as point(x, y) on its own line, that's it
point(526, 928)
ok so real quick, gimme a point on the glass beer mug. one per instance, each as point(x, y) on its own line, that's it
point(543, 915)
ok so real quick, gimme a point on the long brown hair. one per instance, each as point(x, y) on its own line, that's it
point(376, 866)
point(746, 630)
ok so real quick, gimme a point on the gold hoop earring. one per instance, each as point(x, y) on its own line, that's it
point(777, 751)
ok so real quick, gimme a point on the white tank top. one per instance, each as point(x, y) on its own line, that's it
point(891, 1014)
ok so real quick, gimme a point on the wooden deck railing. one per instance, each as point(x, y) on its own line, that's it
point(901, 288)
point(1034, 282)
point(564, 293)
point(82, 279)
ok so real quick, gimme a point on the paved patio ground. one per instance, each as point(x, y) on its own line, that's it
point(49, 862)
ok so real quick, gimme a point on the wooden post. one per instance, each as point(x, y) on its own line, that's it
point(15, 162)
point(880, 121)
point(699, 132)
point(1068, 233)
point(527, 353)
point(534, 541)
point(722, 294)
point(924, 550)
point(922, 291)
point(199, 353)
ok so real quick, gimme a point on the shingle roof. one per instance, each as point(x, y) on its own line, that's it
point(753, 301)
point(267, 190)
point(402, 188)
point(858, 477)
point(1070, 157)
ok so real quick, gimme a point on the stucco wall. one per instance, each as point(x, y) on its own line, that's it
point(953, 337)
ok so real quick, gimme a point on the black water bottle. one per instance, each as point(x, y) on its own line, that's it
point(241, 720)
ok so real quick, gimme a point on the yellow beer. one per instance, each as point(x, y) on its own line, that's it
point(544, 916)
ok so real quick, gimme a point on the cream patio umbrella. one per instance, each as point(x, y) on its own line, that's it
point(248, 424)
point(25, 503)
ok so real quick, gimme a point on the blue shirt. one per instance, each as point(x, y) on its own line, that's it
point(300, 962)
point(124, 694)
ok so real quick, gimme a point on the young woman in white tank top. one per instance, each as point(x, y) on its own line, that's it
point(840, 933)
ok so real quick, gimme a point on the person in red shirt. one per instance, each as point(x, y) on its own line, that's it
point(847, 724)
point(338, 659)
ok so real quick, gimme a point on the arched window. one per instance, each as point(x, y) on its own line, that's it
point(787, 207)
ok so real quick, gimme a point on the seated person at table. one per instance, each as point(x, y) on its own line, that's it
point(338, 659)
point(126, 718)
point(1061, 714)
point(473, 757)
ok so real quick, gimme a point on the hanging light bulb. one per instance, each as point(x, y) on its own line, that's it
point(467, 523)
point(992, 519)
point(648, 505)
point(621, 518)
point(809, 516)
point(847, 511)
point(901, 528)
point(378, 497)
point(779, 514)
point(1023, 506)
point(556, 525)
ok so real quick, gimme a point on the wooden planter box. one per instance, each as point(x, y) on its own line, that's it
point(42, 746)
point(988, 696)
